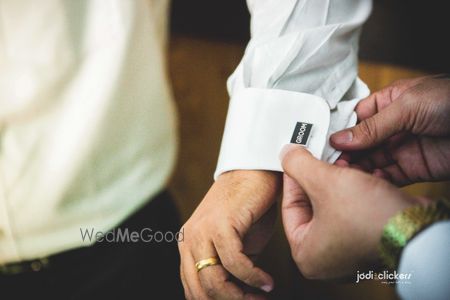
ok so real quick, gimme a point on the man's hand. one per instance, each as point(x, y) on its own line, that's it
point(334, 216)
point(233, 222)
point(404, 130)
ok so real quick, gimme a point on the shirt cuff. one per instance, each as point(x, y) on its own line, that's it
point(261, 121)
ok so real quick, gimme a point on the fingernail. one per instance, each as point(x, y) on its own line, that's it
point(287, 148)
point(267, 288)
point(343, 137)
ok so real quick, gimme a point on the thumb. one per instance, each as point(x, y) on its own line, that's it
point(310, 173)
point(372, 131)
point(296, 210)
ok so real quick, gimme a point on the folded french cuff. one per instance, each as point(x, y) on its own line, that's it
point(261, 121)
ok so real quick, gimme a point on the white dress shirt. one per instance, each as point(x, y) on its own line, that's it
point(300, 66)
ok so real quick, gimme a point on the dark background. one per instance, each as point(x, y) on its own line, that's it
point(408, 33)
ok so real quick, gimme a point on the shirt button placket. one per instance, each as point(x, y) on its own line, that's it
point(7, 247)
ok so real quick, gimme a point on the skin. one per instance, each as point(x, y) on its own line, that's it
point(403, 134)
point(334, 215)
point(233, 222)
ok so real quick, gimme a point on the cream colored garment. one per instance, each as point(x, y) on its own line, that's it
point(87, 124)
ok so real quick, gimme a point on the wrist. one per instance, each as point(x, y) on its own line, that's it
point(257, 181)
point(404, 226)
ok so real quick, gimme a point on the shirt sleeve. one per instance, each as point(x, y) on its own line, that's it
point(297, 81)
point(426, 262)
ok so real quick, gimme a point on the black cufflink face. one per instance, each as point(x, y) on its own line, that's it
point(301, 133)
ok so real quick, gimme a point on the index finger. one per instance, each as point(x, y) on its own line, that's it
point(230, 250)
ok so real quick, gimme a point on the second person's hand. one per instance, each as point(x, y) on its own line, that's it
point(334, 216)
point(403, 134)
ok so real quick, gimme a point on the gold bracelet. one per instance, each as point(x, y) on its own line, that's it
point(402, 227)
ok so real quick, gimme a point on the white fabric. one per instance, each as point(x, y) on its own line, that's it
point(300, 52)
point(270, 114)
point(87, 124)
point(427, 258)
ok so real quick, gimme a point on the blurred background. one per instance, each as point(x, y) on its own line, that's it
point(402, 39)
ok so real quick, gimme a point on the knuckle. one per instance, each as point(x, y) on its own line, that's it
point(227, 262)
point(368, 129)
point(208, 285)
point(210, 291)
point(250, 277)
point(410, 107)
point(395, 92)
point(195, 227)
point(198, 233)
point(398, 82)
point(220, 237)
point(240, 221)
point(212, 284)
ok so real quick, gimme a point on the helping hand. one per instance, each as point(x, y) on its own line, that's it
point(334, 216)
point(404, 131)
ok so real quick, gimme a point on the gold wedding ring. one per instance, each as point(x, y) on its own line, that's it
point(201, 264)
